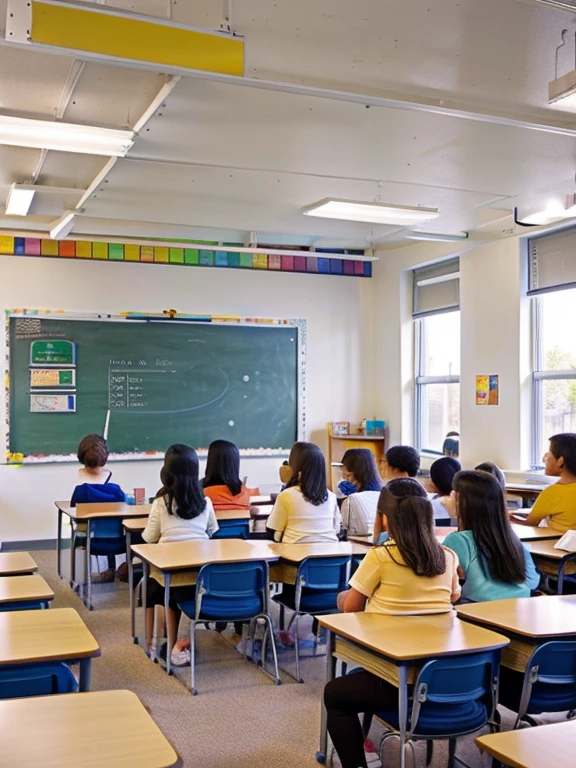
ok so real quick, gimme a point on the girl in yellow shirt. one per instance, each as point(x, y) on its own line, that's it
point(410, 574)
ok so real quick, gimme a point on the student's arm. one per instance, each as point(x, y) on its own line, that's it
point(532, 575)
point(456, 588)
point(278, 519)
point(351, 601)
point(153, 529)
point(336, 517)
point(345, 512)
point(211, 523)
point(539, 511)
point(378, 527)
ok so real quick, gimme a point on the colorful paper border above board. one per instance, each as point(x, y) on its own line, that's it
point(183, 256)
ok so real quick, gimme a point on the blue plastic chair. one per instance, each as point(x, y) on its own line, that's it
point(232, 529)
point(24, 605)
point(228, 592)
point(452, 696)
point(318, 582)
point(106, 538)
point(549, 683)
point(40, 679)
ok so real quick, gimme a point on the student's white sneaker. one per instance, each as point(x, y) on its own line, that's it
point(180, 658)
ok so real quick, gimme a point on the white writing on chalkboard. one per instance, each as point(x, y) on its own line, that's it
point(133, 383)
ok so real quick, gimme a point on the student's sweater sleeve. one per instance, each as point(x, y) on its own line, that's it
point(153, 529)
point(532, 575)
point(337, 517)
point(212, 523)
point(345, 511)
point(368, 574)
point(278, 519)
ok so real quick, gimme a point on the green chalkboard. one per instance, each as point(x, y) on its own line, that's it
point(151, 384)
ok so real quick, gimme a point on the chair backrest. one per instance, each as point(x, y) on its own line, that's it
point(41, 679)
point(456, 680)
point(326, 573)
point(232, 529)
point(106, 528)
point(552, 677)
point(231, 589)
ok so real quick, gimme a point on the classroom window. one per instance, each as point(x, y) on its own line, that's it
point(437, 379)
point(554, 378)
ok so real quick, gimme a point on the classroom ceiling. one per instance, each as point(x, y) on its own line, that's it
point(440, 104)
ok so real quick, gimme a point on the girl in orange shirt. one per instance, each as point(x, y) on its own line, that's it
point(222, 484)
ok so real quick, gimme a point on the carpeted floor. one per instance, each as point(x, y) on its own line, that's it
point(240, 717)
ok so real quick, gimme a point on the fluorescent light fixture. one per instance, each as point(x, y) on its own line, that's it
point(64, 137)
point(562, 91)
point(371, 213)
point(553, 212)
point(19, 200)
point(62, 227)
point(435, 237)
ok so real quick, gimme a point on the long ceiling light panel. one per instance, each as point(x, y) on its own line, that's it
point(64, 137)
point(371, 213)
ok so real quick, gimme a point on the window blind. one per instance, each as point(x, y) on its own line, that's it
point(552, 262)
point(437, 288)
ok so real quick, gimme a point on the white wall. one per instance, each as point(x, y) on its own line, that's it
point(340, 376)
point(495, 340)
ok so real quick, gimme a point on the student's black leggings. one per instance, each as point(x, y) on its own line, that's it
point(346, 697)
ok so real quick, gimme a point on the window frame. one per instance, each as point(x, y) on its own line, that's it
point(539, 376)
point(420, 380)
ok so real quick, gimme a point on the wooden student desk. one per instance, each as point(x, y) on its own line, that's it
point(368, 541)
point(85, 513)
point(16, 563)
point(24, 589)
point(555, 562)
point(528, 621)
point(291, 555)
point(102, 729)
point(55, 635)
point(184, 559)
point(545, 745)
point(395, 647)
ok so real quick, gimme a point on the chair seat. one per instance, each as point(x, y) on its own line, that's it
point(214, 608)
point(312, 600)
point(447, 720)
point(107, 546)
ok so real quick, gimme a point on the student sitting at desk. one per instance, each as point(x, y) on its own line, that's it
point(359, 507)
point(410, 574)
point(442, 473)
point(95, 487)
point(180, 512)
point(222, 484)
point(557, 503)
point(305, 511)
point(493, 469)
point(493, 560)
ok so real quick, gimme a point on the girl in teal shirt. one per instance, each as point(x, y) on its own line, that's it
point(493, 560)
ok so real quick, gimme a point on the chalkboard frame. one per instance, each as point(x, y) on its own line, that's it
point(299, 326)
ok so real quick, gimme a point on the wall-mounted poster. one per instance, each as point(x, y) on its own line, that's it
point(487, 389)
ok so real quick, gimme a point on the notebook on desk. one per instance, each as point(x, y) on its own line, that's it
point(567, 542)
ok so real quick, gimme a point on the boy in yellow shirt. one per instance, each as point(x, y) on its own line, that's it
point(557, 503)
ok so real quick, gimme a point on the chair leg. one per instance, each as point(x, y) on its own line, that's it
point(297, 648)
point(429, 751)
point(193, 658)
point(270, 632)
point(451, 753)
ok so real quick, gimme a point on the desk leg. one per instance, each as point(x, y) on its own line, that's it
point(131, 587)
point(330, 674)
point(403, 711)
point(85, 675)
point(145, 576)
point(88, 569)
point(169, 639)
point(59, 545)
